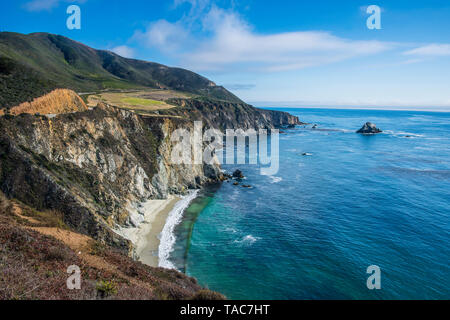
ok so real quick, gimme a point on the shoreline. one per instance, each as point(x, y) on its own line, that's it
point(149, 221)
point(154, 225)
point(147, 246)
point(168, 238)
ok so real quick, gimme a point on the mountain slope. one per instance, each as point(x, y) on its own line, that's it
point(34, 64)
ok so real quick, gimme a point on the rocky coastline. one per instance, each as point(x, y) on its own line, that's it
point(98, 166)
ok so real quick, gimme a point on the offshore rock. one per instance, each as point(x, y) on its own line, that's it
point(238, 174)
point(369, 128)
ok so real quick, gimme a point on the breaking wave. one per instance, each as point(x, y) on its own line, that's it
point(168, 238)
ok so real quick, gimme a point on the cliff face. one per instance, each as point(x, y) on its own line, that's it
point(90, 170)
point(227, 115)
point(94, 166)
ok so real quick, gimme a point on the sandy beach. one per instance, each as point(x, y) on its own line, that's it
point(148, 244)
point(149, 225)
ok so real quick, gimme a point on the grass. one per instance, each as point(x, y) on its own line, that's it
point(47, 218)
point(113, 84)
point(136, 100)
point(141, 102)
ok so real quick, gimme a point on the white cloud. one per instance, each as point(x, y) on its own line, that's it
point(227, 41)
point(124, 51)
point(430, 50)
point(166, 36)
point(412, 61)
point(46, 5)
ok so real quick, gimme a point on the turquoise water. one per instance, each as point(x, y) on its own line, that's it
point(311, 231)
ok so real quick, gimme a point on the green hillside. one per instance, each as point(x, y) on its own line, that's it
point(31, 65)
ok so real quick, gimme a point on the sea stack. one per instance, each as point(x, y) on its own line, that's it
point(238, 174)
point(369, 128)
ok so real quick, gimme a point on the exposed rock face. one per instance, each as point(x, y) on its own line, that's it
point(57, 101)
point(94, 166)
point(225, 115)
point(97, 166)
point(369, 128)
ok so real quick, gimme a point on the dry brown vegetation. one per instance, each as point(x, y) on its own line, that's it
point(36, 250)
point(56, 102)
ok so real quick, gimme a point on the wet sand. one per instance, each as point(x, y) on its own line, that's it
point(148, 244)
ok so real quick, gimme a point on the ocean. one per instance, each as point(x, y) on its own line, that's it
point(312, 230)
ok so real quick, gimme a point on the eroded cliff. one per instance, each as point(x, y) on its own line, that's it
point(94, 166)
point(229, 115)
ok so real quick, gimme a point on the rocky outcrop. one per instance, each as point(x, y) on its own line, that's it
point(226, 115)
point(238, 174)
point(369, 128)
point(94, 166)
point(97, 166)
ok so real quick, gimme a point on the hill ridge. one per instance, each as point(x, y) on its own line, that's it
point(34, 64)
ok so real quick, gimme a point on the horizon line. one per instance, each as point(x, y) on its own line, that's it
point(443, 109)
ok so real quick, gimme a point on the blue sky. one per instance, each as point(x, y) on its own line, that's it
point(273, 53)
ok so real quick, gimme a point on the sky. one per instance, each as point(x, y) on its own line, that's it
point(285, 53)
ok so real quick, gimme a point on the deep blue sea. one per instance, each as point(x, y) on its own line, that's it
point(311, 230)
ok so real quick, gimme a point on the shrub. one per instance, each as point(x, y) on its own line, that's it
point(56, 254)
point(97, 248)
point(106, 289)
point(207, 295)
point(47, 218)
point(171, 291)
point(18, 239)
point(53, 219)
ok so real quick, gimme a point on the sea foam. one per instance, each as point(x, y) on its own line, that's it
point(248, 240)
point(168, 238)
point(275, 179)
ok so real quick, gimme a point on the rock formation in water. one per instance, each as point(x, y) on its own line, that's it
point(369, 128)
point(238, 174)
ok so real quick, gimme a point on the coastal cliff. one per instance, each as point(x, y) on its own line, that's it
point(80, 175)
point(230, 115)
point(94, 166)
point(97, 166)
